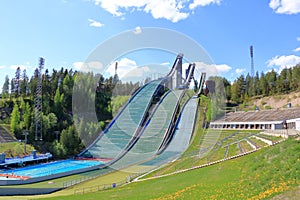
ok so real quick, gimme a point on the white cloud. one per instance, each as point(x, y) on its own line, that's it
point(94, 66)
point(137, 30)
point(211, 69)
point(202, 3)
point(298, 39)
point(284, 61)
point(95, 23)
point(125, 66)
point(167, 9)
point(285, 6)
point(223, 68)
point(240, 71)
point(297, 49)
point(137, 72)
point(172, 10)
point(79, 65)
point(165, 63)
point(128, 68)
point(2, 66)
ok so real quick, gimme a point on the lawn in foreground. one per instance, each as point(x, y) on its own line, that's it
point(260, 175)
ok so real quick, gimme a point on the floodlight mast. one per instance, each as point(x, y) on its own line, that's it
point(252, 61)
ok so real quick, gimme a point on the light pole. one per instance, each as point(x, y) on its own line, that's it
point(26, 132)
point(56, 134)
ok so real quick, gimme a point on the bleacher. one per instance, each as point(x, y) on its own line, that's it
point(6, 136)
point(262, 115)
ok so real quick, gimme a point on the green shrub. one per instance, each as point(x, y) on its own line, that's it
point(268, 107)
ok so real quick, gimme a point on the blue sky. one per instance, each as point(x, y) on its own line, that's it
point(65, 32)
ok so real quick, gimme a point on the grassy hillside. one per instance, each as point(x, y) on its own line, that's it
point(13, 149)
point(260, 175)
point(271, 102)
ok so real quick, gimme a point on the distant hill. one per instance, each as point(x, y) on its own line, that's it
point(276, 101)
point(269, 102)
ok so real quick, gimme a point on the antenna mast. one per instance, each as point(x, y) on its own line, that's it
point(38, 102)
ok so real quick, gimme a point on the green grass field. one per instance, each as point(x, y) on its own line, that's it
point(260, 175)
point(227, 138)
point(13, 149)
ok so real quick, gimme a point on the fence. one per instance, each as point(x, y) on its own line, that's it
point(85, 178)
point(76, 181)
point(97, 188)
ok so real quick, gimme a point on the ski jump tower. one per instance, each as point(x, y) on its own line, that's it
point(177, 79)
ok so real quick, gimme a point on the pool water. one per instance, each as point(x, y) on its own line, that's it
point(52, 168)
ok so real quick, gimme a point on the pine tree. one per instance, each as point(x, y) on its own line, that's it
point(70, 141)
point(15, 119)
point(256, 89)
point(24, 84)
point(27, 116)
point(12, 87)
point(5, 88)
point(271, 78)
point(263, 85)
point(17, 82)
point(296, 77)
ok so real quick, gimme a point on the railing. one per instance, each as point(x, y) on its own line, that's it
point(107, 186)
point(98, 187)
point(76, 181)
point(82, 179)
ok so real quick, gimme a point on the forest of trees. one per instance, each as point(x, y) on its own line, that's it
point(263, 84)
point(61, 130)
point(66, 130)
point(244, 88)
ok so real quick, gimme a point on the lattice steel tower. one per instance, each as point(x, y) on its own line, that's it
point(252, 61)
point(38, 103)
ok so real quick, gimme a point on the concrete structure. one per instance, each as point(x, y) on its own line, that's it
point(260, 120)
point(293, 123)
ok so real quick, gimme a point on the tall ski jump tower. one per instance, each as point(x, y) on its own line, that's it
point(177, 79)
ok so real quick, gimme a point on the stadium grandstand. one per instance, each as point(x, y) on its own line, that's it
point(6, 136)
point(276, 119)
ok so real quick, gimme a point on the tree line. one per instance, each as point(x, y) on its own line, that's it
point(67, 130)
point(263, 84)
point(242, 89)
point(64, 134)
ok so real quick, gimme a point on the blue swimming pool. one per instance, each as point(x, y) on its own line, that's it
point(52, 168)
